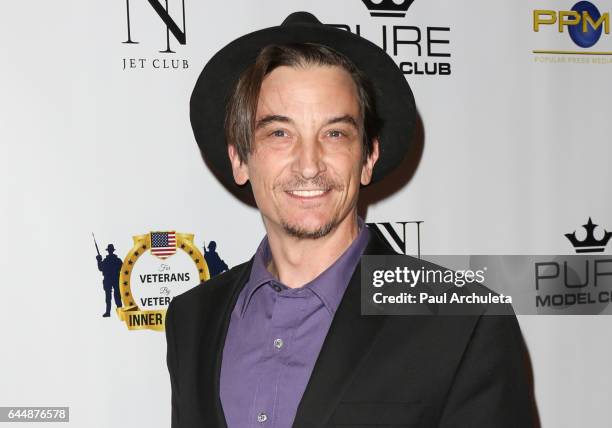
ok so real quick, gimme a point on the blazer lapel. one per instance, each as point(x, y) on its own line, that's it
point(347, 343)
point(222, 301)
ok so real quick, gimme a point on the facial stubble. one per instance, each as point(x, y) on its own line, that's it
point(298, 183)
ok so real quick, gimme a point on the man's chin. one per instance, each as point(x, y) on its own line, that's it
point(304, 231)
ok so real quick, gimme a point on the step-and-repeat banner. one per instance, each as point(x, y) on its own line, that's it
point(109, 211)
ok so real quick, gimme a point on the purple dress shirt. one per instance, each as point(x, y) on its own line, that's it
point(274, 338)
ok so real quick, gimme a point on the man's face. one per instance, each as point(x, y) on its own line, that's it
point(306, 163)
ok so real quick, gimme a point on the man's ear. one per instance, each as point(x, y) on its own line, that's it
point(368, 165)
point(239, 168)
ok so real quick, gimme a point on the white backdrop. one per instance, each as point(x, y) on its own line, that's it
point(516, 153)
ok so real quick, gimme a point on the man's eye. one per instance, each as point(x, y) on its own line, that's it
point(335, 133)
point(278, 133)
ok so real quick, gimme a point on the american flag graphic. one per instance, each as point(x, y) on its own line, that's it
point(163, 244)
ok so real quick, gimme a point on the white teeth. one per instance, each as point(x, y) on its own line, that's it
point(307, 193)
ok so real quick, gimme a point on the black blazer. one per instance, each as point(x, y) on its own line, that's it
point(384, 370)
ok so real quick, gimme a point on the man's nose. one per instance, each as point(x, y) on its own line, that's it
point(309, 158)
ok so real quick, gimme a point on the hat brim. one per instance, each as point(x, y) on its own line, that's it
point(394, 99)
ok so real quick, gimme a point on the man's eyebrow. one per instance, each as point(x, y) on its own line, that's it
point(345, 118)
point(271, 118)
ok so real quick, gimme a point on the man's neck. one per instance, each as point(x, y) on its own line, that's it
point(296, 262)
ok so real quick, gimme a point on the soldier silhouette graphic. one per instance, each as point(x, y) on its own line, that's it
point(214, 262)
point(110, 268)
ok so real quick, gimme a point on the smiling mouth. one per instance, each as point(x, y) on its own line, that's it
point(307, 194)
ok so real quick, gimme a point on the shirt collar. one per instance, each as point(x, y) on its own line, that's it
point(328, 286)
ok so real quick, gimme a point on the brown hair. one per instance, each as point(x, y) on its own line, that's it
point(242, 105)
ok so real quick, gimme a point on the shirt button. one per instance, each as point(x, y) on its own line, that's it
point(262, 417)
point(276, 287)
point(278, 343)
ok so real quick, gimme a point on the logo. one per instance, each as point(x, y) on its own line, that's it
point(578, 284)
point(590, 244)
point(584, 25)
point(388, 7)
point(147, 285)
point(168, 24)
point(396, 235)
point(163, 244)
point(159, 266)
point(418, 49)
point(575, 284)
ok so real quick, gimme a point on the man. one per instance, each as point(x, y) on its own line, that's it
point(110, 268)
point(312, 114)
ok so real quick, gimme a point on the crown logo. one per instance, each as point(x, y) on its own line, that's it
point(590, 244)
point(388, 7)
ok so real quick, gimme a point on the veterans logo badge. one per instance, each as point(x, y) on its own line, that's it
point(160, 265)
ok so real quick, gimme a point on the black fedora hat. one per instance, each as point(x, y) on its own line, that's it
point(394, 100)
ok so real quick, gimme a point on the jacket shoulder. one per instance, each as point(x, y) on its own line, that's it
point(204, 288)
